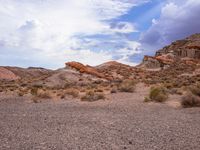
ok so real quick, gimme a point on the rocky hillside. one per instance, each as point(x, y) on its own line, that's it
point(186, 50)
point(111, 70)
point(6, 74)
point(172, 62)
point(189, 47)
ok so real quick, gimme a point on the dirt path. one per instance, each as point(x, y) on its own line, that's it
point(122, 122)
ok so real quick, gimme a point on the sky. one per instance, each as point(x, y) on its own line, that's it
point(48, 33)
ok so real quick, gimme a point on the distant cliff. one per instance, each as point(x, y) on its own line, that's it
point(186, 50)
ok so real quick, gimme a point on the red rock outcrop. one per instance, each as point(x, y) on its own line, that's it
point(7, 74)
point(85, 69)
point(157, 61)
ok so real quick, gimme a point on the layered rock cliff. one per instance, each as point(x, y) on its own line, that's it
point(189, 47)
point(186, 50)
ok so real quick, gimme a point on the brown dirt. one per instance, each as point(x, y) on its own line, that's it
point(123, 121)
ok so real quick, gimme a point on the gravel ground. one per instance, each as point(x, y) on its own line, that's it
point(122, 122)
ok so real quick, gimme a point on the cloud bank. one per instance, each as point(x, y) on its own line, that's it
point(47, 31)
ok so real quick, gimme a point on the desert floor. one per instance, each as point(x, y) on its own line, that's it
point(123, 121)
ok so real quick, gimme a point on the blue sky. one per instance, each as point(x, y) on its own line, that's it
point(48, 33)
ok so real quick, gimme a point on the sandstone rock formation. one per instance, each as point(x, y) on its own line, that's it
point(110, 70)
point(189, 47)
point(186, 50)
point(85, 69)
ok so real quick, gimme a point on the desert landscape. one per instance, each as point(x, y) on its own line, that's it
point(154, 105)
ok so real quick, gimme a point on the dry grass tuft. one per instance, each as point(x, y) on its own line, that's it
point(44, 95)
point(147, 99)
point(91, 96)
point(36, 100)
point(22, 91)
point(39, 94)
point(113, 90)
point(127, 86)
point(20, 94)
point(73, 92)
point(34, 91)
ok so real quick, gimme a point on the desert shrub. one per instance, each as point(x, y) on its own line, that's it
point(127, 86)
point(36, 100)
point(158, 94)
point(113, 90)
point(62, 96)
point(21, 93)
point(73, 92)
point(12, 89)
point(173, 91)
point(23, 84)
point(147, 99)
point(176, 91)
point(40, 93)
point(92, 86)
point(68, 84)
point(97, 82)
point(195, 90)
point(34, 91)
point(99, 90)
point(92, 96)
point(82, 90)
point(37, 86)
point(190, 100)
point(54, 91)
point(169, 85)
point(44, 95)
point(59, 94)
point(23, 90)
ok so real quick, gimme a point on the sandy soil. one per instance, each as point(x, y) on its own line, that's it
point(122, 121)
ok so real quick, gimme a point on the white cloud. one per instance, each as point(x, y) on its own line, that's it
point(130, 50)
point(52, 28)
point(122, 27)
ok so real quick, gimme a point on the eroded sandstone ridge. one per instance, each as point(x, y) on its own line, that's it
point(85, 69)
